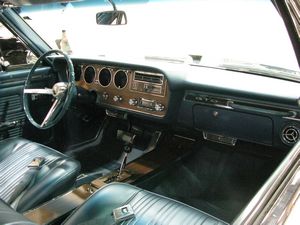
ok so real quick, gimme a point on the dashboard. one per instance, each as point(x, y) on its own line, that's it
point(124, 88)
point(221, 105)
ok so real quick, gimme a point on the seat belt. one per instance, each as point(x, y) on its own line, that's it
point(27, 178)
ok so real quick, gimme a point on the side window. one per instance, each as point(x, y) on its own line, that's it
point(12, 51)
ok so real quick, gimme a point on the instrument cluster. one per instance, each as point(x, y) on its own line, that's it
point(124, 88)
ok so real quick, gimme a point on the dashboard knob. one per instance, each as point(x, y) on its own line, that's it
point(105, 96)
point(117, 98)
point(159, 107)
point(133, 101)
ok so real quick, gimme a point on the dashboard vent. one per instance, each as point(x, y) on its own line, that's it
point(290, 135)
point(148, 77)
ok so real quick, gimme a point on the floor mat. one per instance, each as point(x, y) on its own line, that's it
point(217, 179)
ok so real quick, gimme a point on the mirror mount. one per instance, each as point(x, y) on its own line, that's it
point(114, 17)
point(113, 4)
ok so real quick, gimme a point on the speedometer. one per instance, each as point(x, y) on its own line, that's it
point(104, 77)
point(120, 79)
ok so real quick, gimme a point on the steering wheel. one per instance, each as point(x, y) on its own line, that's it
point(62, 92)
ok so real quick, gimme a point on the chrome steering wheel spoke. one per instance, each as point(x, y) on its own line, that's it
point(52, 112)
point(62, 92)
point(45, 91)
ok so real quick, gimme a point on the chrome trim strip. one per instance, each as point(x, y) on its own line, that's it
point(83, 74)
point(286, 113)
point(231, 141)
point(284, 204)
point(98, 76)
point(152, 113)
point(292, 118)
point(163, 84)
point(127, 80)
point(251, 213)
point(184, 137)
point(149, 73)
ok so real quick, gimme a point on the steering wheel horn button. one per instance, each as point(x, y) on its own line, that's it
point(59, 89)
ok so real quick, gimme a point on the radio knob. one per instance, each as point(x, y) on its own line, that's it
point(133, 101)
point(117, 98)
point(159, 107)
point(105, 96)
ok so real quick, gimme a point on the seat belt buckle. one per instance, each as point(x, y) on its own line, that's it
point(123, 213)
point(37, 162)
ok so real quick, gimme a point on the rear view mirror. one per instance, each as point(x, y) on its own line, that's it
point(111, 18)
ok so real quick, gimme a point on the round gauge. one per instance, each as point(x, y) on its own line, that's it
point(104, 77)
point(120, 79)
point(89, 74)
point(77, 71)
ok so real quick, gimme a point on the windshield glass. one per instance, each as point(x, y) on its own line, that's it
point(239, 30)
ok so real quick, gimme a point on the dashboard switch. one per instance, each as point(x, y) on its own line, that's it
point(105, 96)
point(117, 98)
point(159, 107)
point(133, 101)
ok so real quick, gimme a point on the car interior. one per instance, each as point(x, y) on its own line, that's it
point(158, 141)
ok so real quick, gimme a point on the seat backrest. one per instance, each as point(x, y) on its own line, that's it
point(57, 175)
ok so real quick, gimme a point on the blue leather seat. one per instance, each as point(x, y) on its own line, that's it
point(56, 176)
point(149, 208)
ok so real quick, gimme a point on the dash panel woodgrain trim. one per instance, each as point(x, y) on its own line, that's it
point(105, 95)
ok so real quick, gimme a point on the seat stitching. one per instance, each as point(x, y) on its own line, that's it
point(187, 220)
point(146, 207)
point(161, 211)
point(169, 215)
point(147, 200)
point(188, 206)
point(140, 201)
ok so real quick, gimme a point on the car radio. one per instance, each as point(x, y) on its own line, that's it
point(148, 104)
point(148, 83)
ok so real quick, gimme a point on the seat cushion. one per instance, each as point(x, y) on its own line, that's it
point(149, 208)
point(9, 216)
point(57, 175)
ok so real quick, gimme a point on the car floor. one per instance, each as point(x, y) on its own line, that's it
point(215, 178)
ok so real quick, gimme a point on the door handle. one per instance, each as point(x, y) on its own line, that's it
point(10, 124)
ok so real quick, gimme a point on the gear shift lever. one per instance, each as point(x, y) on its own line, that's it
point(127, 148)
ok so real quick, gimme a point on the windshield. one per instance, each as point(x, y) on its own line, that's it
point(244, 31)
